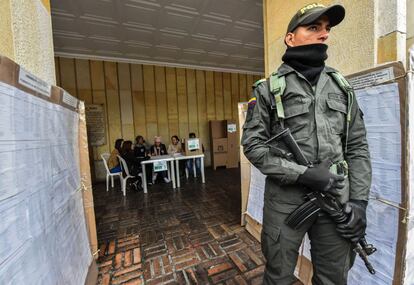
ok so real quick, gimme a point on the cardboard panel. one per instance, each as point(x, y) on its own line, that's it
point(138, 100)
point(219, 159)
point(218, 129)
point(219, 146)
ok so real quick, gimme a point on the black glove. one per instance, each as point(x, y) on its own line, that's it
point(319, 178)
point(354, 227)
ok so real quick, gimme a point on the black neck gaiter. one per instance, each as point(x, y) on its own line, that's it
point(309, 60)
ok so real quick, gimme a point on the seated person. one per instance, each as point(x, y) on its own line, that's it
point(189, 162)
point(133, 163)
point(113, 162)
point(175, 146)
point(140, 149)
point(158, 148)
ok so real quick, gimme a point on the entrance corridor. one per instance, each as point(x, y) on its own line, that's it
point(190, 235)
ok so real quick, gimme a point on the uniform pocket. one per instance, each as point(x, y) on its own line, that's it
point(270, 239)
point(297, 117)
point(337, 110)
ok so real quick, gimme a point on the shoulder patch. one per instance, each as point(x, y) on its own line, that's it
point(258, 82)
point(252, 103)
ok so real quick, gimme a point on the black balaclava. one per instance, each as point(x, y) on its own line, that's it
point(309, 60)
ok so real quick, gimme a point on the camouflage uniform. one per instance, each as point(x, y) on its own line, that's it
point(316, 117)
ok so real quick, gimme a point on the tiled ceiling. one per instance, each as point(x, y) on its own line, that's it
point(212, 34)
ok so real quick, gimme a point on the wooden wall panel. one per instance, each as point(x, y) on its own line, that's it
point(182, 102)
point(192, 102)
point(83, 80)
point(162, 109)
point(125, 101)
point(138, 100)
point(154, 100)
point(68, 81)
point(203, 130)
point(242, 88)
point(235, 95)
point(112, 100)
point(249, 83)
point(99, 97)
point(218, 91)
point(57, 70)
point(171, 81)
point(150, 103)
point(227, 106)
point(211, 107)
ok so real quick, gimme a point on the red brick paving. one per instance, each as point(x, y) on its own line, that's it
point(190, 235)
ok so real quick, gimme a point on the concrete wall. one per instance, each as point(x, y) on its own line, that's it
point(372, 32)
point(26, 36)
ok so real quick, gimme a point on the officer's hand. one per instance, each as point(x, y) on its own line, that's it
point(354, 228)
point(319, 178)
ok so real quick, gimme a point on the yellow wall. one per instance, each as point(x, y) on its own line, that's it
point(26, 36)
point(352, 45)
point(154, 100)
point(410, 24)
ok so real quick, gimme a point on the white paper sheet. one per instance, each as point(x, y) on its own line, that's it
point(43, 238)
point(409, 258)
point(256, 194)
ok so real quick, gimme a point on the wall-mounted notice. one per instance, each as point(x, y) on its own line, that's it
point(95, 123)
point(231, 128)
point(372, 78)
point(32, 82)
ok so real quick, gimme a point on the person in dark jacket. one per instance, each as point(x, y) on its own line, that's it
point(133, 163)
point(328, 126)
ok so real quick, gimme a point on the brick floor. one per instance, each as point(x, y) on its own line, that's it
point(190, 235)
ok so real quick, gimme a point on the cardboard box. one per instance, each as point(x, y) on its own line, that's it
point(219, 159)
point(219, 145)
point(218, 129)
point(232, 145)
point(190, 146)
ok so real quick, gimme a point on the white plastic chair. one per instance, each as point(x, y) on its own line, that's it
point(105, 157)
point(124, 167)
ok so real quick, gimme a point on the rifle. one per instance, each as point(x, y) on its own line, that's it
point(318, 201)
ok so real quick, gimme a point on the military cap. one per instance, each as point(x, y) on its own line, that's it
point(311, 12)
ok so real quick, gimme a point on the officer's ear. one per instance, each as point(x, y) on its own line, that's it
point(289, 39)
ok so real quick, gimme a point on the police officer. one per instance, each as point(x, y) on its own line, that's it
point(328, 126)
